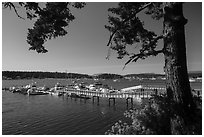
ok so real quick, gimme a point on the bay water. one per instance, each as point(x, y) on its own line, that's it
point(53, 115)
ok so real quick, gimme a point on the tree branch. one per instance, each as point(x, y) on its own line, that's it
point(109, 52)
point(139, 10)
point(132, 16)
point(135, 57)
point(13, 6)
point(155, 40)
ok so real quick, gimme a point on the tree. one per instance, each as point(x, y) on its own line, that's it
point(51, 18)
point(127, 29)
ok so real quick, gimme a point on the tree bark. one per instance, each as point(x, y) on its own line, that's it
point(177, 82)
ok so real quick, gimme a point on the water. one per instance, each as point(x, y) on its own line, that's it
point(53, 115)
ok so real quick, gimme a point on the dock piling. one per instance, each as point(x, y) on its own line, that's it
point(198, 93)
point(112, 98)
point(156, 92)
point(97, 99)
point(131, 101)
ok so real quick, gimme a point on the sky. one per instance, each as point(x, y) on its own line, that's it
point(84, 50)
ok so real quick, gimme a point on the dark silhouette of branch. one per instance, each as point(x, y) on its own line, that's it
point(132, 16)
point(155, 40)
point(135, 57)
point(10, 4)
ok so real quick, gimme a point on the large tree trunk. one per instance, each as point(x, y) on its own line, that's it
point(177, 83)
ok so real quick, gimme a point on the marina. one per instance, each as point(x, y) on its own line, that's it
point(95, 91)
point(88, 94)
point(69, 111)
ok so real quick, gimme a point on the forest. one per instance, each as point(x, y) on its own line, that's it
point(42, 75)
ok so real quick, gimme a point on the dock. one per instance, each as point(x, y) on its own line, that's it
point(94, 94)
point(142, 94)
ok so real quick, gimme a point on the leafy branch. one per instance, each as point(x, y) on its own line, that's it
point(11, 5)
point(127, 19)
point(51, 20)
point(145, 53)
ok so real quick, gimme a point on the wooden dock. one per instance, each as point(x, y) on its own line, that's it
point(111, 96)
point(95, 94)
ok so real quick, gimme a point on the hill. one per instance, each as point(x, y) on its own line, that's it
point(41, 75)
point(145, 75)
point(195, 74)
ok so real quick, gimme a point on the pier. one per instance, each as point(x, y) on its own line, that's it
point(84, 94)
point(94, 94)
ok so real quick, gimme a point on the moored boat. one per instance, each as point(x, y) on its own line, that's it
point(34, 91)
point(74, 95)
point(38, 93)
point(60, 93)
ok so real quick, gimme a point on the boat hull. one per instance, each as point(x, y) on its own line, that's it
point(37, 93)
point(73, 95)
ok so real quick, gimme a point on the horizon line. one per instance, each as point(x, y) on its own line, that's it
point(91, 74)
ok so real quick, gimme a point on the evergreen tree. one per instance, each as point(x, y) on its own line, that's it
point(127, 29)
point(51, 18)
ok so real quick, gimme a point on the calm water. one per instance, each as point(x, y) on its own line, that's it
point(53, 115)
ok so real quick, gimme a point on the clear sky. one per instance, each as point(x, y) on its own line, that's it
point(84, 49)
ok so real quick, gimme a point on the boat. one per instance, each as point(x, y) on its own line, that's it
point(43, 89)
point(36, 92)
point(74, 95)
point(60, 93)
point(24, 90)
point(58, 88)
point(192, 80)
point(84, 96)
point(14, 89)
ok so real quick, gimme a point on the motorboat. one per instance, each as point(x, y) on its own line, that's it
point(34, 91)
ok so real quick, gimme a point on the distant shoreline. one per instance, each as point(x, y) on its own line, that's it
point(7, 75)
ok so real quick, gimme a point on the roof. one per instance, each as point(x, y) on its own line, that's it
point(131, 88)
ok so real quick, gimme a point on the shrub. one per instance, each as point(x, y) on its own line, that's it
point(154, 117)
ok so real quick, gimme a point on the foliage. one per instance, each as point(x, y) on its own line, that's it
point(51, 21)
point(127, 29)
point(108, 76)
point(28, 75)
point(154, 118)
